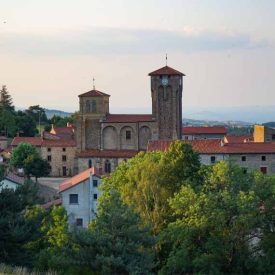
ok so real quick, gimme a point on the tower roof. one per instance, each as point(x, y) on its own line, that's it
point(166, 70)
point(93, 93)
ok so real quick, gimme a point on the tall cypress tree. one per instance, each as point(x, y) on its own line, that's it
point(6, 102)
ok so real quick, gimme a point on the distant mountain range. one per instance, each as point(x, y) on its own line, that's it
point(245, 115)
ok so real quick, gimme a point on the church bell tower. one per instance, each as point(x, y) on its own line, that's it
point(166, 92)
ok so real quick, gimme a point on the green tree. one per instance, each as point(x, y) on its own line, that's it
point(221, 227)
point(36, 166)
point(7, 123)
point(37, 113)
point(116, 242)
point(149, 180)
point(5, 100)
point(22, 154)
point(25, 124)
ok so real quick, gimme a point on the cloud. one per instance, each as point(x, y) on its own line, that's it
point(124, 41)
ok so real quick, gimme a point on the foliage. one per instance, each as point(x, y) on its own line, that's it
point(36, 166)
point(5, 100)
point(15, 230)
point(37, 113)
point(26, 125)
point(116, 242)
point(221, 227)
point(149, 180)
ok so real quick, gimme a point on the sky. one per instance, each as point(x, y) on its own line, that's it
point(51, 50)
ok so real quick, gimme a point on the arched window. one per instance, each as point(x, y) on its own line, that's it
point(93, 107)
point(87, 108)
point(107, 167)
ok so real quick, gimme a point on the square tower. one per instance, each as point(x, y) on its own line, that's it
point(166, 92)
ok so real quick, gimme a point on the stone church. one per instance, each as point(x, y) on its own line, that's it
point(104, 139)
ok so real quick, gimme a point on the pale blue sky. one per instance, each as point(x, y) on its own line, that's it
point(50, 50)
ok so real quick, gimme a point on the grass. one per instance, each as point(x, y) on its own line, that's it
point(17, 270)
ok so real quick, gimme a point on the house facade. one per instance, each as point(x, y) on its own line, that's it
point(79, 196)
point(198, 133)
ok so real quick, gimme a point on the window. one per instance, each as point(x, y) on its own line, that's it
point(64, 171)
point(87, 108)
point(213, 159)
point(50, 168)
point(128, 134)
point(263, 158)
point(90, 163)
point(244, 170)
point(263, 169)
point(94, 183)
point(49, 149)
point(49, 158)
point(93, 107)
point(273, 137)
point(186, 137)
point(73, 198)
point(95, 196)
point(64, 158)
point(107, 166)
point(243, 158)
point(79, 222)
point(64, 149)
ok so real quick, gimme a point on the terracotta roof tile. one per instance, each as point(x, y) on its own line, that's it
point(93, 93)
point(166, 70)
point(51, 203)
point(108, 153)
point(128, 118)
point(204, 130)
point(35, 141)
point(215, 146)
point(78, 179)
point(238, 139)
point(58, 143)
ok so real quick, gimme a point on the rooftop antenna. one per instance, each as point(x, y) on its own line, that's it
point(93, 83)
point(166, 59)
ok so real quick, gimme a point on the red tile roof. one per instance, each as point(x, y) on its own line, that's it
point(35, 141)
point(238, 139)
point(204, 130)
point(93, 93)
point(215, 146)
point(128, 118)
point(78, 179)
point(3, 138)
point(38, 142)
point(166, 70)
point(58, 143)
point(51, 203)
point(108, 153)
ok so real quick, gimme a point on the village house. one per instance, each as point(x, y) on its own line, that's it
point(195, 133)
point(59, 151)
point(11, 181)
point(79, 196)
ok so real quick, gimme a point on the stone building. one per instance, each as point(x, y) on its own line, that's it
point(249, 155)
point(195, 133)
point(57, 150)
point(104, 139)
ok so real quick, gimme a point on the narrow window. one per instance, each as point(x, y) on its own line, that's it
point(243, 158)
point(273, 137)
point(128, 134)
point(49, 149)
point(64, 158)
point(263, 158)
point(64, 171)
point(73, 198)
point(94, 183)
point(79, 222)
point(64, 149)
point(213, 159)
point(107, 166)
point(90, 163)
point(93, 106)
point(87, 106)
point(49, 158)
point(95, 197)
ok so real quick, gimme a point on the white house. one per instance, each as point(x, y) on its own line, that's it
point(11, 181)
point(79, 196)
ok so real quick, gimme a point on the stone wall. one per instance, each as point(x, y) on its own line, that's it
point(58, 164)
